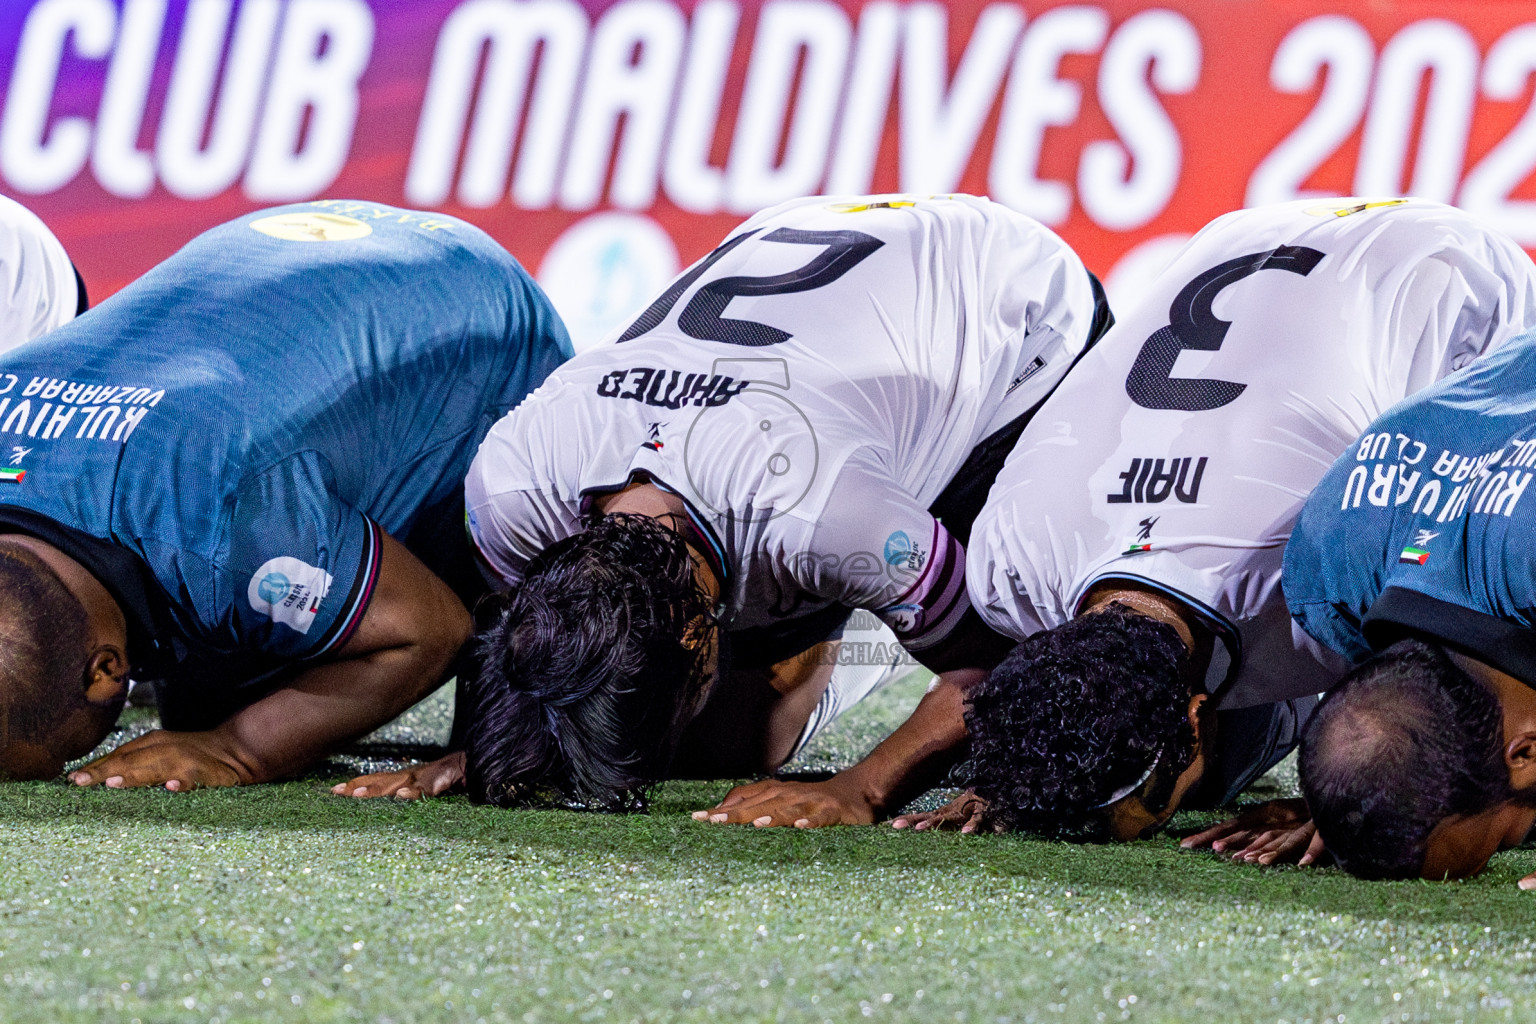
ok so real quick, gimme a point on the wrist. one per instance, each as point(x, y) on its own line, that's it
point(863, 785)
point(225, 745)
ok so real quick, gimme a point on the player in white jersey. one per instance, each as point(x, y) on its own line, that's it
point(41, 289)
point(812, 413)
point(1135, 535)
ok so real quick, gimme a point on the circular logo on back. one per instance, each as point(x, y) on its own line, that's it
point(272, 587)
point(603, 270)
point(312, 227)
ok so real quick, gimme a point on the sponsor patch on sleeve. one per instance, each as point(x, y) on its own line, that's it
point(289, 591)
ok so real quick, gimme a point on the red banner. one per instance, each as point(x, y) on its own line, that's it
point(607, 144)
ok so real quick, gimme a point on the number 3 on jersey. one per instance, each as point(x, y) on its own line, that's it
point(1192, 325)
point(701, 317)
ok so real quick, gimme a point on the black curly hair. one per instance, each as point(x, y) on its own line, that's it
point(1403, 742)
point(591, 671)
point(1075, 714)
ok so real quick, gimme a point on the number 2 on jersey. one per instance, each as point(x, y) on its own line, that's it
point(1192, 325)
point(701, 317)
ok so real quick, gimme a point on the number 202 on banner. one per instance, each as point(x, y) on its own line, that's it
point(1434, 66)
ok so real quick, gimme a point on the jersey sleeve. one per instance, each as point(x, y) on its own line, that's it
point(504, 532)
point(300, 566)
point(509, 516)
point(875, 547)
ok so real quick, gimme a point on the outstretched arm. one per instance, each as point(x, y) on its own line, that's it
point(413, 627)
point(912, 759)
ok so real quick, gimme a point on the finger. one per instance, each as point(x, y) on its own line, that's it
point(781, 812)
point(99, 770)
point(376, 784)
point(820, 817)
point(372, 780)
point(939, 820)
point(735, 816)
point(778, 813)
point(135, 772)
point(1296, 843)
point(1233, 842)
point(901, 822)
point(1528, 882)
point(1264, 844)
point(407, 793)
point(1211, 835)
point(749, 810)
point(1316, 846)
point(749, 791)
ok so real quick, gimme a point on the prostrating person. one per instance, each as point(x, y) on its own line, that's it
point(804, 423)
point(1133, 542)
point(1418, 544)
point(241, 478)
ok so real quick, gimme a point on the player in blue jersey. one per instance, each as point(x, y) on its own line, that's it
point(241, 477)
point(1417, 544)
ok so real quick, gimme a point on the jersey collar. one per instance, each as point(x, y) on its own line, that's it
point(126, 578)
point(695, 529)
point(1205, 615)
point(1400, 613)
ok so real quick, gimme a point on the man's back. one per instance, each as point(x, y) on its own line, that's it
point(1181, 449)
point(1423, 528)
point(809, 389)
point(246, 417)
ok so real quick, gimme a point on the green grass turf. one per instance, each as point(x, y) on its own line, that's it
point(285, 903)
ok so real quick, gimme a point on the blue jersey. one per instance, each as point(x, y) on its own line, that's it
point(1424, 527)
point(224, 441)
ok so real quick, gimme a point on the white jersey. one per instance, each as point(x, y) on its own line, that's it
point(37, 279)
point(808, 388)
point(1181, 450)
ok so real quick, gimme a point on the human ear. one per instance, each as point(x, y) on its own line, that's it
point(697, 633)
point(106, 676)
point(1196, 710)
point(1520, 756)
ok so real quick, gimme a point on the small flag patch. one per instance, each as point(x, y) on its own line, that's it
point(1136, 549)
point(1418, 556)
point(12, 476)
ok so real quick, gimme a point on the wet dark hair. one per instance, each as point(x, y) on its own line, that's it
point(1403, 742)
point(591, 670)
point(43, 652)
point(1076, 713)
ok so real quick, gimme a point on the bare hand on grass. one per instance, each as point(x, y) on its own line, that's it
point(180, 761)
point(801, 804)
point(1277, 832)
point(965, 813)
point(432, 778)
